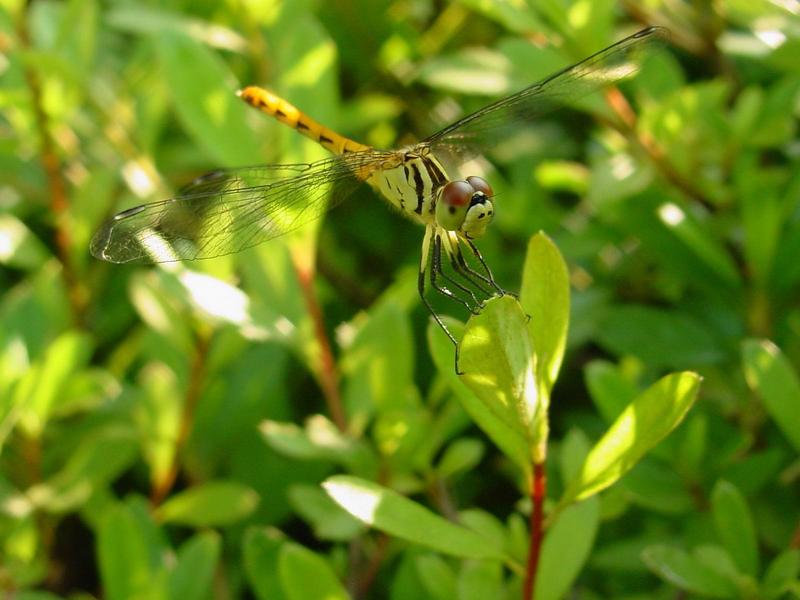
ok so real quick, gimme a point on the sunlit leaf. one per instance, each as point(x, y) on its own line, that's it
point(497, 361)
point(509, 439)
point(545, 298)
point(644, 423)
point(328, 520)
point(388, 511)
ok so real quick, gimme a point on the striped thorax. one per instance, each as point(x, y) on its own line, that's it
point(413, 180)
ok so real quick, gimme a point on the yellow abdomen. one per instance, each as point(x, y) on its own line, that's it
point(290, 115)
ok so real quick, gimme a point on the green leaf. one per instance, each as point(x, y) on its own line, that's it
point(773, 378)
point(261, 551)
point(204, 93)
point(480, 580)
point(145, 20)
point(216, 503)
point(328, 520)
point(194, 573)
point(436, 576)
point(41, 387)
point(660, 338)
point(388, 511)
point(306, 575)
point(99, 458)
point(498, 366)
point(735, 526)
point(610, 390)
point(781, 573)
point(462, 455)
point(515, 16)
point(21, 248)
point(700, 240)
point(124, 558)
point(379, 363)
point(684, 571)
point(644, 423)
point(566, 548)
point(511, 441)
point(656, 486)
point(545, 298)
point(572, 453)
point(320, 440)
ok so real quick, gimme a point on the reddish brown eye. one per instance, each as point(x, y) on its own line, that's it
point(480, 185)
point(457, 193)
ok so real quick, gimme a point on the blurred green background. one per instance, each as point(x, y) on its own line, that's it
point(154, 423)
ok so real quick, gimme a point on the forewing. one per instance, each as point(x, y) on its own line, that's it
point(485, 128)
point(229, 210)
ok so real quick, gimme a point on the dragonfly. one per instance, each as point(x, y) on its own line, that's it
point(228, 210)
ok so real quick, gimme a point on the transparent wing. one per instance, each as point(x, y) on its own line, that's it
point(229, 210)
point(488, 126)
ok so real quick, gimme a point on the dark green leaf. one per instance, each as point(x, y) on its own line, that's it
point(194, 574)
point(261, 550)
point(780, 573)
point(204, 93)
point(566, 548)
point(735, 526)
point(305, 575)
point(687, 573)
point(124, 558)
point(774, 379)
point(436, 576)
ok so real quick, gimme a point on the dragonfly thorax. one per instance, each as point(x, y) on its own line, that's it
point(465, 206)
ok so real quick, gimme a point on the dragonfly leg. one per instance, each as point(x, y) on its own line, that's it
point(463, 268)
point(437, 270)
point(423, 266)
point(489, 276)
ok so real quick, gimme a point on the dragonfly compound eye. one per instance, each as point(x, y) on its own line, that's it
point(479, 184)
point(453, 204)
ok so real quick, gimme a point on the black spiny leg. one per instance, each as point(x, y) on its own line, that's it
point(421, 288)
point(437, 270)
point(479, 256)
point(463, 268)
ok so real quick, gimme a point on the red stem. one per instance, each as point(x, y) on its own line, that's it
point(538, 489)
point(51, 165)
point(328, 377)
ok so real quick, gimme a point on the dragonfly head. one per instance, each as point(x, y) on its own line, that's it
point(465, 206)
